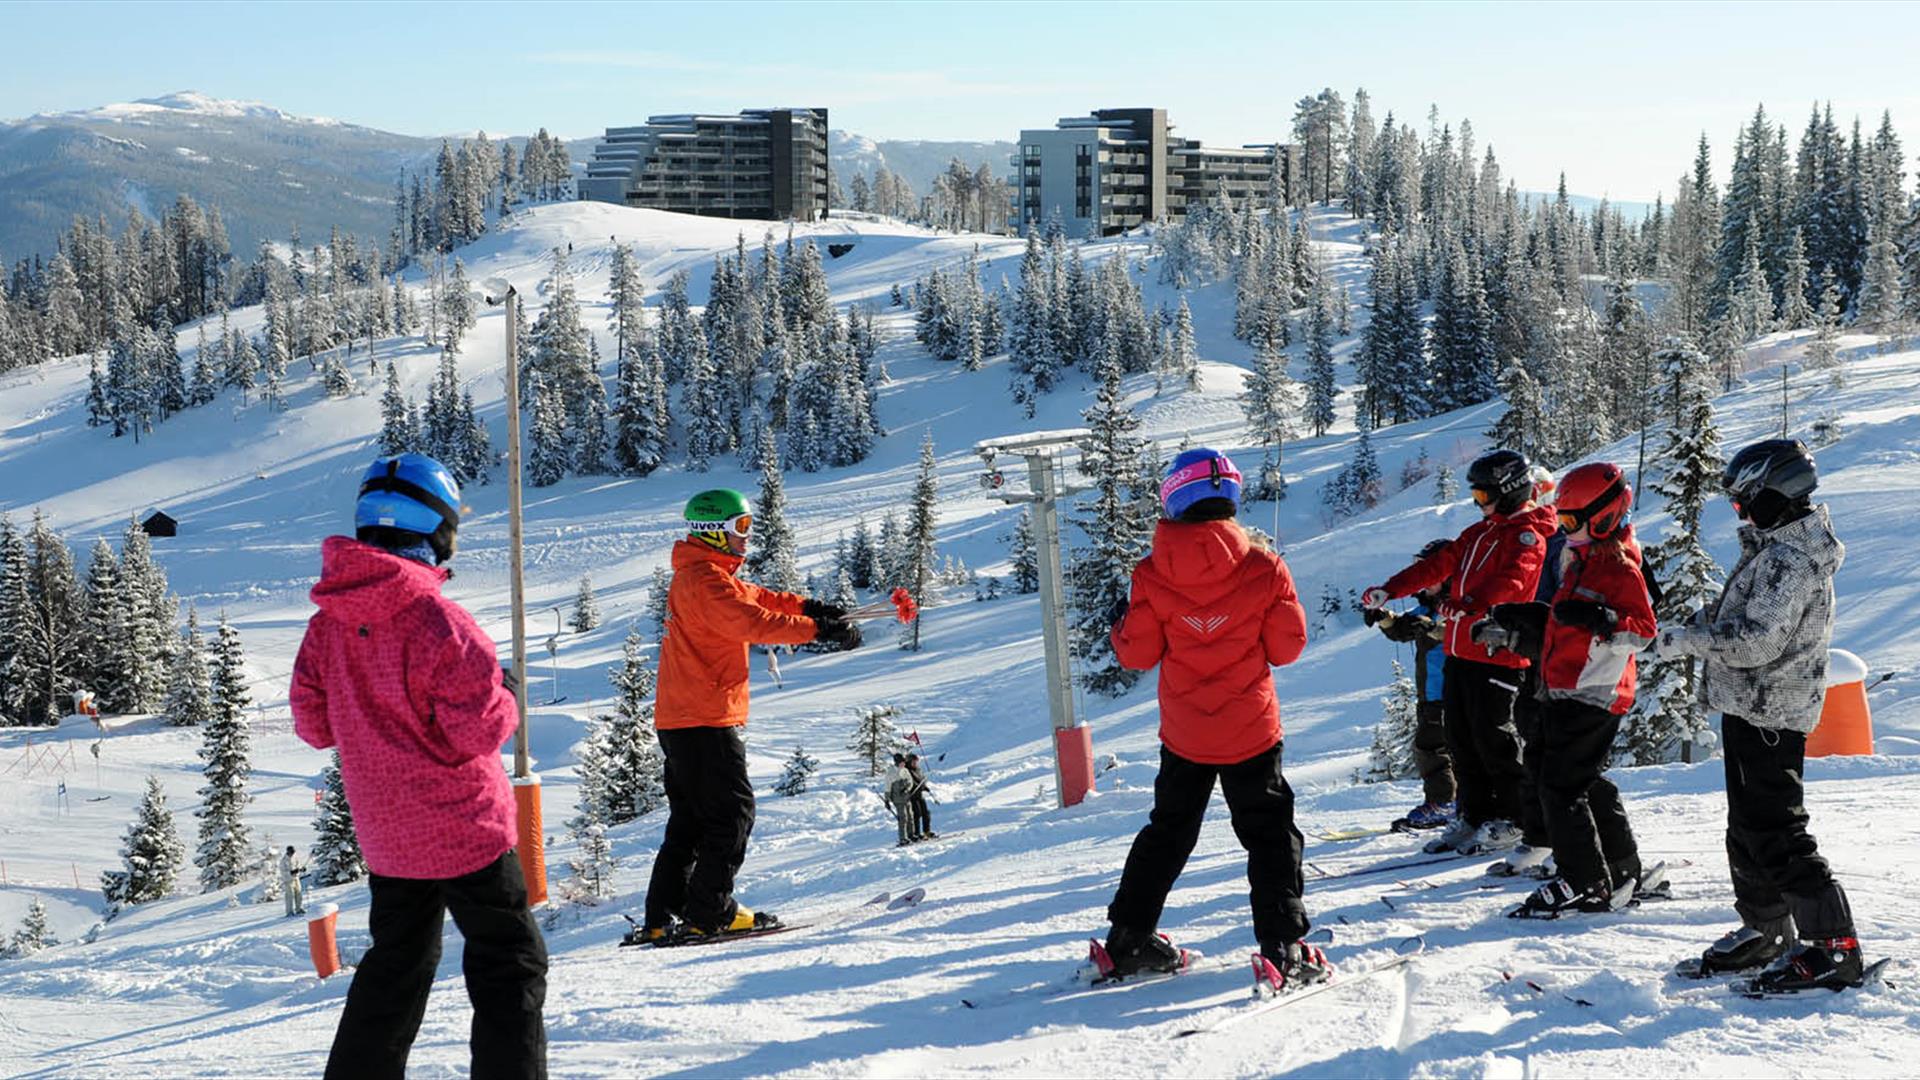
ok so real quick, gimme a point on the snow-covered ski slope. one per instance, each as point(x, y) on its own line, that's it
point(212, 984)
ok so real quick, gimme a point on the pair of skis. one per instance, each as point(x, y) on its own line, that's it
point(881, 903)
point(1748, 986)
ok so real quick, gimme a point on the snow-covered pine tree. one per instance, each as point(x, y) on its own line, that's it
point(336, 847)
point(1796, 312)
point(1523, 426)
point(1391, 755)
point(147, 637)
point(1116, 532)
point(586, 609)
point(1667, 715)
point(1268, 403)
point(476, 447)
point(771, 559)
point(547, 450)
point(864, 568)
point(592, 879)
point(1824, 350)
point(103, 663)
point(640, 416)
point(222, 855)
point(43, 604)
point(458, 311)
point(34, 933)
point(1183, 355)
point(875, 737)
point(335, 379)
point(396, 422)
point(701, 401)
point(634, 770)
point(1024, 556)
point(189, 700)
point(589, 419)
point(1322, 382)
point(797, 774)
point(1444, 487)
point(657, 600)
point(915, 570)
point(266, 862)
point(151, 854)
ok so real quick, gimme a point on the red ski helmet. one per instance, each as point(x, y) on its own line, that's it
point(1595, 495)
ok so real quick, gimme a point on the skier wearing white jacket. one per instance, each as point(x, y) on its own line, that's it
point(290, 871)
point(1763, 647)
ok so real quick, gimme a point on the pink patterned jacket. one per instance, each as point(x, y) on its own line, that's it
point(404, 682)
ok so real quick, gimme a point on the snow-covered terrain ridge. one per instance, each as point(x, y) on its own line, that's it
point(189, 101)
point(213, 985)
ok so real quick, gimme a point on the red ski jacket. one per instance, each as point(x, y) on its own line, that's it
point(1215, 612)
point(1575, 665)
point(406, 685)
point(1497, 560)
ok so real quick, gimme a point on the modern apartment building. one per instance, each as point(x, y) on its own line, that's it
point(768, 164)
point(1117, 169)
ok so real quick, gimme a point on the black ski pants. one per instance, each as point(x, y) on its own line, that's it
point(1261, 805)
point(1777, 868)
point(922, 817)
point(1527, 711)
point(504, 960)
point(1430, 753)
point(709, 818)
point(1485, 745)
point(1592, 843)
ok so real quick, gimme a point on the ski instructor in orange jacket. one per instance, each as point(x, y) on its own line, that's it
point(1215, 611)
point(712, 619)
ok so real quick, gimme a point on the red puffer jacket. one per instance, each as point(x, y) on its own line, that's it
point(1497, 560)
point(1574, 664)
point(1214, 612)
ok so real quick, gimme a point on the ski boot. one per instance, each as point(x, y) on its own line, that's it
point(1456, 834)
point(744, 920)
point(1425, 816)
point(1494, 836)
point(1130, 952)
point(1279, 968)
point(1743, 948)
point(1558, 897)
point(1525, 861)
point(1829, 964)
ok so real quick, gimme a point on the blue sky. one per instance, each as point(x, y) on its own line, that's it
point(1613, 93)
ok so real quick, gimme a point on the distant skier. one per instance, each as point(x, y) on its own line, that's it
point(1599, 618)
point(406, 685)
point(1496, 560)
point(1763, 646)
point(922, 816)
point(1215, 611)
point(291, 871)
point(712, 619)
point(899, 796)
point(1422, 629)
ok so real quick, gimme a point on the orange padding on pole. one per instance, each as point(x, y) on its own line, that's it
point(320, 941)
point(1074, 746)
point(532, 846)
point(1846, 726)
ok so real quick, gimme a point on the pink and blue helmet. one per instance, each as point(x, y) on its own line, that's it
point(1197, 475)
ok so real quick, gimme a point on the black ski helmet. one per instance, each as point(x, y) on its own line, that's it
point(1506, 477)
point(1769, 479)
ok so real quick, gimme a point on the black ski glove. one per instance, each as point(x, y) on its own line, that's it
point(1117, 612)
point(1596, 619)
point(839, 633)
point(1527, 623)
point(507, 680)
point(817, 611)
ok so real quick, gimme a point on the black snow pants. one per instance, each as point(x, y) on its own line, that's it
point(1528, 709)
point(709, 817)
point(1261, 806)
point(922, 816)
point(1485, 745)
point(504, 960)
point(1592, 843)
point(1777, 868)
point(1430, 754)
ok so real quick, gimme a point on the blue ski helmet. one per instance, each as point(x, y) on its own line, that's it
point(1198, 475)
point(410, 492)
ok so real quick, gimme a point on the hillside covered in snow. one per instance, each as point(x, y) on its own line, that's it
point(213, 984)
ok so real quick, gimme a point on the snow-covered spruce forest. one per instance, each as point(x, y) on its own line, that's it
point(1353, 353)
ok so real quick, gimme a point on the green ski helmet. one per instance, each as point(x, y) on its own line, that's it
point(712, 514)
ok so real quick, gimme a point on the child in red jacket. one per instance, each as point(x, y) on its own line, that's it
point(407, 686)
point(1214, 611)
point(1600, 617)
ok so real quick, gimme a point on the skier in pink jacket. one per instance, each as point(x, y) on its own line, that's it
point(407, 686)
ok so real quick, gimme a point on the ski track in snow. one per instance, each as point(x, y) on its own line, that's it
point(216, 985)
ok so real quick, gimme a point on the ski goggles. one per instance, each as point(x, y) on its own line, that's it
point(1481, 496)
point(737, 525)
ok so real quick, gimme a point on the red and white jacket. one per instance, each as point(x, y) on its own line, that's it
point(1575, 664)
point(1497, 560)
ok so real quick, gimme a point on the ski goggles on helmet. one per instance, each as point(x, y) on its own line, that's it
point(737, 525)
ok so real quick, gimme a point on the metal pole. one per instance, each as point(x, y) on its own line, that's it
point(514, 559)
point(1053, 606)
